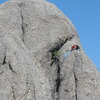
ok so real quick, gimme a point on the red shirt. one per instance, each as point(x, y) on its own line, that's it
point(73, 47)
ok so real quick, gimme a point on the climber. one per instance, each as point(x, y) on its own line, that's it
point(75, 47)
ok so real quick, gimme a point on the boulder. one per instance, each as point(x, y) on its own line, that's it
point(34, 37)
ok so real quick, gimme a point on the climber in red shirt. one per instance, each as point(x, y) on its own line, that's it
point(75, 47)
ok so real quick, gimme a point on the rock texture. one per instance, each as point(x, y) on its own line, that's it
point(30, 32)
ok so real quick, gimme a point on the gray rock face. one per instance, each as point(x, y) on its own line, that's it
point(34, 36)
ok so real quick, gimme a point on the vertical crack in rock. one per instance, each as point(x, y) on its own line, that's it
point(58, 80)
point(75, 79)
point(4, 61)
point(22, 24)
point(22, 27)
point(55, 59)
point(27, 82)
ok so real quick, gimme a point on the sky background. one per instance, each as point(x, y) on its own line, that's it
point(85, 15)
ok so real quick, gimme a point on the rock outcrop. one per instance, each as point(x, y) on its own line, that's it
point(32, 32)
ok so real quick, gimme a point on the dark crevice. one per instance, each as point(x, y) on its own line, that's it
point(58, 80)
point(27, 80)
point(66, 90)
point(76, 80)
point(22, 27)
point(4, 61)
point(10, 67)
point(22, 24)
point(55, 60)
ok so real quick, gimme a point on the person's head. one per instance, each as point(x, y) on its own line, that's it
point(74, 43)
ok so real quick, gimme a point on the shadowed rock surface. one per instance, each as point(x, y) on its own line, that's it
point(31, 31)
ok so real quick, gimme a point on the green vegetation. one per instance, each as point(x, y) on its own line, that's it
point(55, 57)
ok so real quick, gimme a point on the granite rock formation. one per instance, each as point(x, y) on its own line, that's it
point(32, 32)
